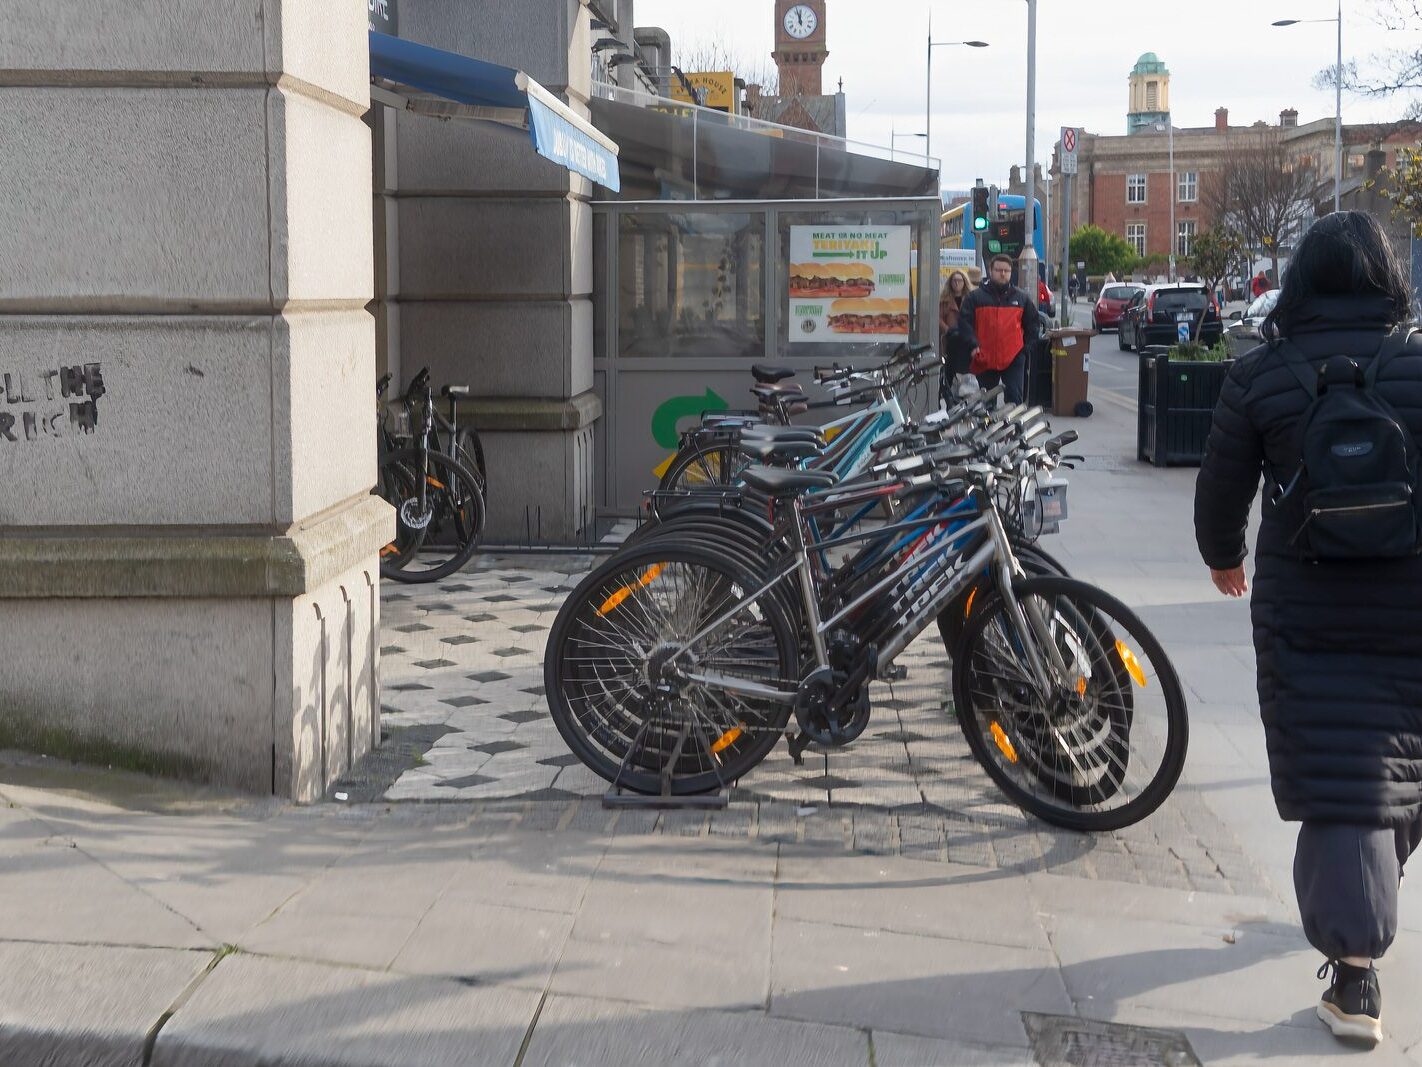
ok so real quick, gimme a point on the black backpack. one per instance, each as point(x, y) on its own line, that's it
point(1356, 494)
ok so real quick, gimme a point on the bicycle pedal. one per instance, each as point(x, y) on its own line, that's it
point(894, 673)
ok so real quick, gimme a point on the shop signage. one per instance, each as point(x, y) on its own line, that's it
point(384, 16)
point(716, 88)
point(849, 284)
point(555, 138)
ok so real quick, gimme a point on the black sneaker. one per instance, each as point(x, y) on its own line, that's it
point(1352, 1005)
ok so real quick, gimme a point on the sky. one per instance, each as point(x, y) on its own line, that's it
point(1220, 53)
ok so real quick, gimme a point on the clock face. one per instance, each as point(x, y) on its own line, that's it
point(801, 21)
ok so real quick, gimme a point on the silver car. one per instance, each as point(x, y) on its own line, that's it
point(1249, 326)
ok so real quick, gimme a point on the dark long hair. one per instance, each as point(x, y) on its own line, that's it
point(1343, 254)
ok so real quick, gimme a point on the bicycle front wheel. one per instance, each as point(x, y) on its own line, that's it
point(1070, 705)
point(439, 512)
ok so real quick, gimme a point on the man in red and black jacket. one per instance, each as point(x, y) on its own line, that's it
point(998, 322)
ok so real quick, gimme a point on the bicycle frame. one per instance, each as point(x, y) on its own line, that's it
point(944, 569)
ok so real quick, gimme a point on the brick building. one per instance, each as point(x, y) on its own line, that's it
point(800, 52)
point(1123, 183)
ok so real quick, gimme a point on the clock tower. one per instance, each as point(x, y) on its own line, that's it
point(800, 50)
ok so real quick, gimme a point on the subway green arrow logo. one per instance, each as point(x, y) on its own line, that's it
point(674, 409)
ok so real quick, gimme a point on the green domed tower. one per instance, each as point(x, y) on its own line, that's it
point(1150, 95)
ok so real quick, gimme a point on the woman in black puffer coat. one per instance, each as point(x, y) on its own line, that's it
point(1338, 644)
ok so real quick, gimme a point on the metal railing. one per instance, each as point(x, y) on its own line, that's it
point(699, 114)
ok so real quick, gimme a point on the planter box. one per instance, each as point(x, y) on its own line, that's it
point(1176, 403)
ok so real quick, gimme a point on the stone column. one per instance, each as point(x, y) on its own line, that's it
point(188, 547)
point(495, 265)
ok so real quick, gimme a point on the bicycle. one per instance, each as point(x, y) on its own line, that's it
point(709, 455)
point(678, 664)
point(439, 501)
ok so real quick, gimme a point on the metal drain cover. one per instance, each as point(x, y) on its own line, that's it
point(1066, 1041)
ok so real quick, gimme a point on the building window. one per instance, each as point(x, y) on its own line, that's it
point(1185, 237)
point(1135, 189)
point(1188, 185)
point(1135, 233)
point(1152, 96)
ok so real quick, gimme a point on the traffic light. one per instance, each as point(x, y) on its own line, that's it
point(980, 208)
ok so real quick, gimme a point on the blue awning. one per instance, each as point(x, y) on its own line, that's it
point(501, 94)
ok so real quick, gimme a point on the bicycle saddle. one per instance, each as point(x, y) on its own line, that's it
point(455, 390)
point(782, 433)
point(767, 449)
point(779, 482)
point(765, 373)
point(771, 391)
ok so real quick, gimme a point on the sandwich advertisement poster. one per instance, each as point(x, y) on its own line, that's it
point(849, 284)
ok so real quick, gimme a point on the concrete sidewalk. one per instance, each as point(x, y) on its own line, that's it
point(142, 922)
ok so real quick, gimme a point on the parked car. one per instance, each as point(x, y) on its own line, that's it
point(1154, 316)
point(1106, 315)
point(1248, 327)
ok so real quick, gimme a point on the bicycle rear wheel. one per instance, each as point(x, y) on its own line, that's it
point(436, 532)
point(706, 465)
point(606, 688)
point(1102, 743)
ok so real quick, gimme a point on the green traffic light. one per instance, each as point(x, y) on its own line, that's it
point(980, 224)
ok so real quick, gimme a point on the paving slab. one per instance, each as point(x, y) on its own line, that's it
point(909, 1050)
point(256, 1010)
point(1257, 972)
point(718, 971)
point(933, 987)
point(484, 942)
point(89, 1005)
point(52, 891)
point(1298, 1041)
point(912, 897)
point(581, 1032)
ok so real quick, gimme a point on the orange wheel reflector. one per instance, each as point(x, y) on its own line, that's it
point(1081, 686)
point(1000, 736)
point(649, 576)
point(435, 482)
point(968, 607)
point(390, 550)
point(1132, 665)
point(727, 739)
point(616, 598)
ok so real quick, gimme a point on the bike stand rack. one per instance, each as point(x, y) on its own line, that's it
point(617, 797)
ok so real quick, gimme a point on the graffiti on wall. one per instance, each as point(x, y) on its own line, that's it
point(60, 402)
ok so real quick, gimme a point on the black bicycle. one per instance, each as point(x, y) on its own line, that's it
point(433, 477)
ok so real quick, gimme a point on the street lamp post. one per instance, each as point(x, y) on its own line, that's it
point(1337, 103)
point(928, 82)
point(1169, 128)
point(1027, 262)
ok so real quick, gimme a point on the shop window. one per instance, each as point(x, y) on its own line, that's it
point(690, 284)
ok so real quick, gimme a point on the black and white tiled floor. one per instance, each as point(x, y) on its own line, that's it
point(466, 656)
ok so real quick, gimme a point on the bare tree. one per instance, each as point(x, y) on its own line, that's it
point(1262, 191)
point(1394, 70)
point(715, 55)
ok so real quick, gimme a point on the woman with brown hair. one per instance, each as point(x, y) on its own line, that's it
point(952, 347)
